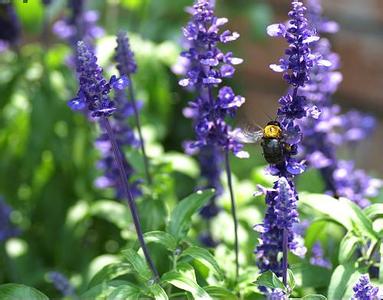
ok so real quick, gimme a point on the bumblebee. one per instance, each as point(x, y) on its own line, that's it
point(271, 137)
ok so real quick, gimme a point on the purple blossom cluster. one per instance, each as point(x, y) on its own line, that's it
point(124, 134)
point(277, 231)
point(364, 290)
point(10, 29)
point(61, 283)
point(317, 257)
point(80, 25)
point(209, 66)
point(7, 229)
point(93, 95)
point(332, 129)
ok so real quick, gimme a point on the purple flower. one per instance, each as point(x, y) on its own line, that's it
point(61, 283)
point(364, 290)
point(281, 214)
point(277, 232)
point(10, 26)
point(7, 229)
point(93, 94)
point(317, 257)
point(325, 134)
point(208, 66)
point(123, 133)
point(81, 25)
point(277, 294)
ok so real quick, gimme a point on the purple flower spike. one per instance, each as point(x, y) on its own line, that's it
point(364, 290)
point(93, 94)
point(10, 26)
point(7, 229)
point(331, 129)
point(317, 257)
point(61, 283)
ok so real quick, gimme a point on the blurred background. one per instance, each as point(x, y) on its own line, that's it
point(47, 156)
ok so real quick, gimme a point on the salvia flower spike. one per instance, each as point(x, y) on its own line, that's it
point(364, 290)
point(207, 68)
point(7, 229)
point(93, 96)
point(324, 135)
point(276, 233)
point(61, 283)
point(127, 66)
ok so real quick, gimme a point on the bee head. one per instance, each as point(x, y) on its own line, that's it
point(272, 130)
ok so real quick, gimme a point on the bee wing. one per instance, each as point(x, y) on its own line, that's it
point(248, 136)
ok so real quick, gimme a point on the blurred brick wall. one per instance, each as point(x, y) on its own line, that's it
point(360, 44)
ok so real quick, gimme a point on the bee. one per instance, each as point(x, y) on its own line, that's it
point(272, 142)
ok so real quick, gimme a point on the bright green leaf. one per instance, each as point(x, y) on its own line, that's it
point(161, 237)
point(158, 292)
point(217, 292)
point(204, 257)
point(270, 280)
point(341, 280)
point(101, 291)
point(374, 210)
point(138, 264)
point(110, 272)
point(180, 219)
point(186, 284)
point(13, 291)
point(112, 211)
point(127, 291)
point(347, 247)
point(314, 297)
point(291, 279)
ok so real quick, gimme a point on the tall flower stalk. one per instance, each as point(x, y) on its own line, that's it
point(207, 68)
point(93, 96)
point(323, 136)
point(10, 28)
point(276, 233)
point(127, 66)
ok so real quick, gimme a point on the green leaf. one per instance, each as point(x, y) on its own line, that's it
point(217, 292)
point(13, 291)
point(161, 237)
point(291, 279)
point(311, 276)
point(342, 211)
point(158, 292)
point(101, 291)
point(186, 284)
point(270, 280)
point(180, 219)
point(112, 211)
point(110, 272)
point(341, 280)
point(182, 163)
point(374, 210)
point(347, 247)
point(381, 263)
point(137, 263)
point(127, 291)
point(204, 257)
point(186, 270)
point(314, 297)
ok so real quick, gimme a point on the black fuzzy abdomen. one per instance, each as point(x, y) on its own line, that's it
point(273, 151)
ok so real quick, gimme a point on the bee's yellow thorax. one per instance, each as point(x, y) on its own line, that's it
point(272, 132)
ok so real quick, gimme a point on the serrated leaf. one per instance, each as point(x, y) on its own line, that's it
point(347, 247)
point(13, 291)
point(161, 237)
point(138, 264)
point(180, 219)
point(270, 280)
point(127, 291)
point(217, 292)
point(158, 292)
point(110, 272)
point(204, 257)
point(113, 212)
point(186, 284)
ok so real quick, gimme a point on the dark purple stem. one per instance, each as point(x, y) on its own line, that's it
point(284, 258)
point(233, 212)
point(119, 158)
point(138, 124)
